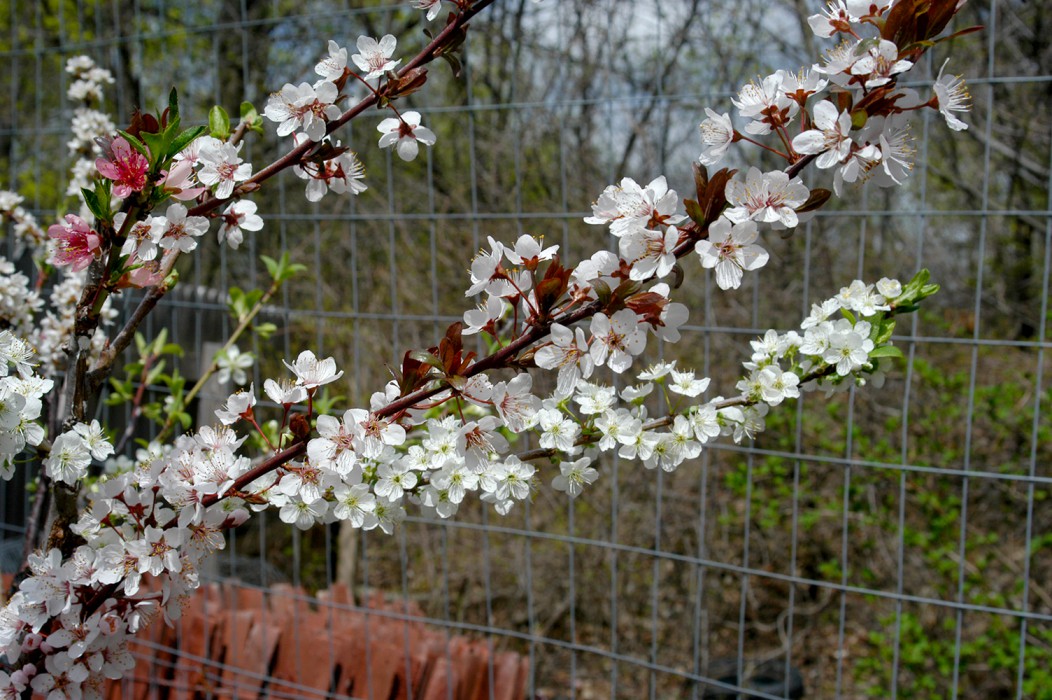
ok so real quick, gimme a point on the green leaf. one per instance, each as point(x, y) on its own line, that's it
point(265, 330)
point(172, 128)
point(283, 269)
point(927, 290)
point(695, 211)
point(886, 351)
point(602, 291)
point(155, 373)
point(135, 143)
point(219, 123)
point(426, 358)
point(173, 104)
point(172, 349)
point(159, 341)
point(94, 205)
point(882, 332)
point(183, 140)
point(250, 116)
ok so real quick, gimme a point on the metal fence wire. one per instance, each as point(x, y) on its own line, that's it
point(884, 542)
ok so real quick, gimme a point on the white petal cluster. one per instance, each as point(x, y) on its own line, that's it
point(341, 174)
point(405, 134)
point(88, 123)
point(24, 226)
point(21, 401)
point(304, 107)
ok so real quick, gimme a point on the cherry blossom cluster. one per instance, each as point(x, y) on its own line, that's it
point(451, 425)
point(847, 111)
point(148, 527)
point(306, 110)
point(47, 328)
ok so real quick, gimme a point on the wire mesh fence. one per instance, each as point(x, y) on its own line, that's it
point(889, 542)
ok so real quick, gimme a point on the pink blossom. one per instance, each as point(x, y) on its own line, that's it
point(75, 243)
point(148, 274)
point(179, 183)
point(125, 166)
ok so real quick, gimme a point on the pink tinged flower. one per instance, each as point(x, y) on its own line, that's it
point(717, 134)
point(284, 393)
point(801, 85)
point(730, 250)
point(125, 166)
point(149, 274)
point(860, 162)
point(624, 200)
point(331, 67)
point(239, 217)
point(373, 432)
point(334, 448)
point(616, 339)
point(178, 182)
point(405, 134)
point(766, 197)
point(830, 139)
point(529, 251)
point(306, 106)
point(485, 317)
point(223, 169)
point(879, 63)
point(567, 352)
point(374, 57)
point(76, 244)
point(766, 103)
point(311, 372)
point(486, 272)
point(652, 252)
point(432, 6)
point(835, 18)
point(341, 174)
point(238, 405)
point(179, 231)
point(158, 550)
point(191, 154)
point(951, 95)
point(514, 402)
point(141, 239)
point(63, 677)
